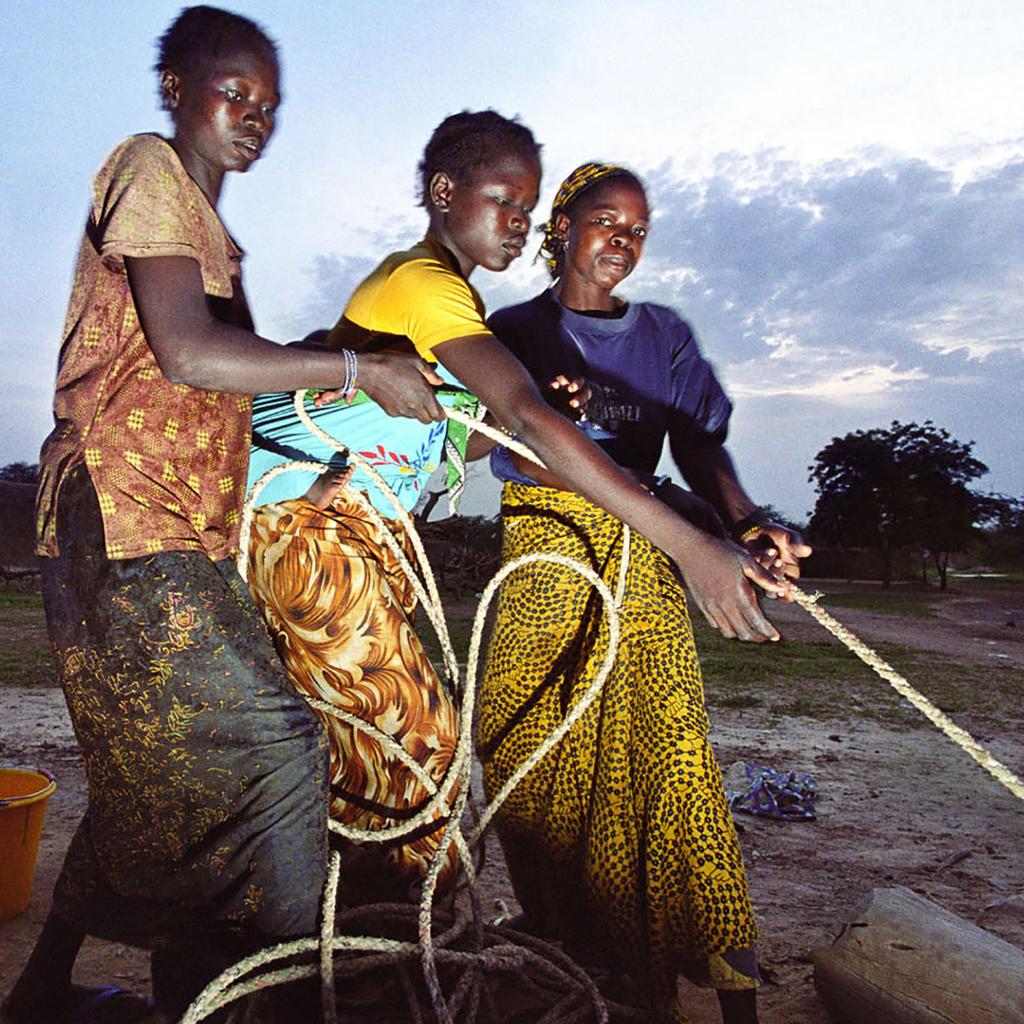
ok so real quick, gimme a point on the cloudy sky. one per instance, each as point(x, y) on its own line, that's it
point(839, 186)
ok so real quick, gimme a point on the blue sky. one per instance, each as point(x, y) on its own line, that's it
point(839, 187)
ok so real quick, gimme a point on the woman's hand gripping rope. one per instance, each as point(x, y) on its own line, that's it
point(779, 549)
point(719, 575)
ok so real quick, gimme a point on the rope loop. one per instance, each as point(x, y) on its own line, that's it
point(540, 966)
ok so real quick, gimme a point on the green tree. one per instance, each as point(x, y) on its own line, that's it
point(778, 516)
point(1002, 518)
point(1002, 512)
point(901, 487)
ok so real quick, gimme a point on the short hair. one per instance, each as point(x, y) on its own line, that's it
point(202, 33)
point(464, 143)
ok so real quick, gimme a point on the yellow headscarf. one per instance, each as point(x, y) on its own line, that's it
point(579, 181)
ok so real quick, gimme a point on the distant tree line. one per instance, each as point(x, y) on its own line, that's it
point(20, 473)
point(895, 490)
point(905, 488)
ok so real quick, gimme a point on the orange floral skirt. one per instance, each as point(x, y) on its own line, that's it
point(340, 611)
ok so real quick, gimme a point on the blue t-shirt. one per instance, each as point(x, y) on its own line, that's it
point(647, 376)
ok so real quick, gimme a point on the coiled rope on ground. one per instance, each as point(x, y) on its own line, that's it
point(537, 965)
point(569, 993)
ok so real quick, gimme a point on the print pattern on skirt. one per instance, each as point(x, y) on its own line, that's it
point(206, 772)
point(620, 841)
point(340, 610)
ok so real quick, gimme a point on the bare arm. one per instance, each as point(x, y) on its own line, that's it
point(715, 571)
point(478, 445)
point(541, 474)
point(193, 346)
point(710, 471)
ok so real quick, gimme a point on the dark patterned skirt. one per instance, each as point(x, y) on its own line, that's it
point(620, 841)
point(206, 771)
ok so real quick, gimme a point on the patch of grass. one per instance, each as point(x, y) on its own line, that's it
point(887, 602)
point(20, 599)
point(460, 608)
point(739, 700)
point(823, 680)
point(27, 665)
point(460, 629)
point(25, 656)
point(1011, 579)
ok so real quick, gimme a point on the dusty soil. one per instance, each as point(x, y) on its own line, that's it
point(895, 807)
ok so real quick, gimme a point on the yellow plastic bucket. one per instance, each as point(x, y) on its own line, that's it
point(23, 796)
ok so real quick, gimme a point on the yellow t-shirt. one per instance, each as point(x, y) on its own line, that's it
point(417, 295)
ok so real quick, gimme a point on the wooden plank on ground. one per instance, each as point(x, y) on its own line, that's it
point(902, 959)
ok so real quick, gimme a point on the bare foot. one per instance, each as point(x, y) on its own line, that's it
point(327, 487)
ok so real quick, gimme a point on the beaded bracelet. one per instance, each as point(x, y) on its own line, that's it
point(351, 372)
point(748, 526)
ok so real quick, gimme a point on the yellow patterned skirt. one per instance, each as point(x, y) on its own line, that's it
point(620, 841)
point(340, 611)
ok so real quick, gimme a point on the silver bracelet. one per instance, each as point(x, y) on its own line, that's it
point(351, 372)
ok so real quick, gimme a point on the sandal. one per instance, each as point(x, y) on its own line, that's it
point(108, 1004)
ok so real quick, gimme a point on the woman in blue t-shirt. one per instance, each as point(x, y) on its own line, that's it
point(619, 842)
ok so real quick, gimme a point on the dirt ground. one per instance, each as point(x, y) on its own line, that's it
point(895, 807)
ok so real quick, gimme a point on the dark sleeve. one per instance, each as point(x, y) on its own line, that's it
point(503, 326)
point(505, 469)
point(530, 331)
point(699, 408)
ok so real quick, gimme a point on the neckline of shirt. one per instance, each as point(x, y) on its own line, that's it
point(204, 198)
point(596, 324)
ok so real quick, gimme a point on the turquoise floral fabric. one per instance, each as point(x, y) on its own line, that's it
point(405, 452)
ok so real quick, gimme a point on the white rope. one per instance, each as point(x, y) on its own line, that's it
point(496, 434)
point(963, 739)
point(589, 696)
point(328, 1003)
point(234, 984)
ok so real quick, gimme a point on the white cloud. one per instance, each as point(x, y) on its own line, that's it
point(857, 386)
point(893, 257)
point(993, 322)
